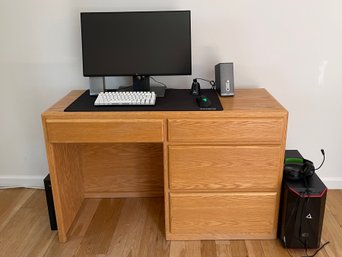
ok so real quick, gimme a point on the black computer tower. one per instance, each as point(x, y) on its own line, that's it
point(301, 210)
point(50, 204)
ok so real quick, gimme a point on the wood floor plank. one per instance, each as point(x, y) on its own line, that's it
point(302, 252)
point(22, 231)
point(40, 234)
point(185, 249)
point(208, 248)
point(153, 243)
point(273, 248)
point(332, 232)
point(8, 198)
point(132, 227)
point(163, 246)
point(78, 230)
point(254, 248)
point(97, 239)
point(40, 237)
point(11, 201)
point(193, 248)
point(177, 249)
point(236, 248)
point(334, 204)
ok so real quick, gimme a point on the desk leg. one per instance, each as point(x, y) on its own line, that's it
point(166, 190)
point(67, 184)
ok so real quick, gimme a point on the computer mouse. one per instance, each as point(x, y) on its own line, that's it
point(203, 101)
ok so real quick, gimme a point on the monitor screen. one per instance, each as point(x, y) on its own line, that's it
point(136, 43)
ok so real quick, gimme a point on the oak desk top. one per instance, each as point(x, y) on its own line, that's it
point(245, 101)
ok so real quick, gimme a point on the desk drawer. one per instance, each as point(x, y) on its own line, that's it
point(240, 215)
point(224, 167)
point(235, 130)
point(104, 131)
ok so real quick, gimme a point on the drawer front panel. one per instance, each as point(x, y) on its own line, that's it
point(224, 167)
point(104, 131)
point(236, 130)
point(223, 214)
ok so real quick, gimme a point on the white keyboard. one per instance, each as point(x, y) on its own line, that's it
point(126, 98)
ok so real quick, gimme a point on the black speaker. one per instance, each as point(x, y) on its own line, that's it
point(50, 204)
point(301, 210)
point(224, 79)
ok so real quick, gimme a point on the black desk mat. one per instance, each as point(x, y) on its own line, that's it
point(174, 100)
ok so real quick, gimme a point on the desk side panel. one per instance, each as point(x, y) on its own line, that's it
point(66, 180)
point(280, 176)
point(67, 184)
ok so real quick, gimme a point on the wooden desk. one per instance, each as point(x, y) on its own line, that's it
point(220, 172)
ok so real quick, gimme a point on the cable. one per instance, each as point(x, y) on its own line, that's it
point(323, 153)
point(306, 250)
point(294, 210)
point(287, 249)
point(211, 82)
point(303, 219)
point(158, 81)
point(307, 193)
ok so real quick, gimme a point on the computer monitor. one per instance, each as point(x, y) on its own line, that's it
point(138, 44)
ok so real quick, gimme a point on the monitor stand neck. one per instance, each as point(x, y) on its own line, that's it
point(96, 85)
point(141, 83)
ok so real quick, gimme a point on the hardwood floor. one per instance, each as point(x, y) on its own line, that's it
point(131, 227)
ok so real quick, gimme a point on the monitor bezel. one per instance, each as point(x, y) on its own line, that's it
point(138, 74)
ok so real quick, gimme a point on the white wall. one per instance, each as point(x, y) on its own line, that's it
point(291, 48)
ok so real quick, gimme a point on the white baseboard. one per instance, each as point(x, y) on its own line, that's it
point(37, 181)
point(333, 182)
point(22, 181)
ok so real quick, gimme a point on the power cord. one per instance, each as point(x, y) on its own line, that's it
point(161, 83)
point(211, 82)
point(293, 214)
point(306, 250)
point(323, 153)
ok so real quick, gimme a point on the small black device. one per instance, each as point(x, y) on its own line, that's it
point(302, 208)
point(50, 204)
point(203, 101)
point(137, 44)
point(195, 88)
point(224, 79)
